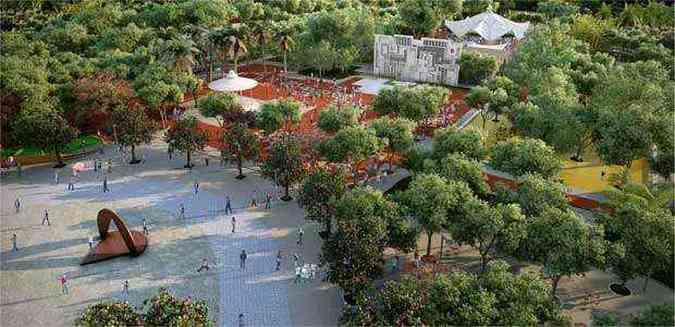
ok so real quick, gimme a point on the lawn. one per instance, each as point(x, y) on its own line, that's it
point(77, 145)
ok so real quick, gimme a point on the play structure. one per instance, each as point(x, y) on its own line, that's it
point(115, 243)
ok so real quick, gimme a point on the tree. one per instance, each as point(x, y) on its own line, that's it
point(397, 133)
point(284, 163)
point(457, 167)
point(221, 106)
point(655, 315)
point(502, 96)
point(428, 200)
point(351, 145)
point(319, 193)
point(353, 252)
point(414, 103)
point(157, 86)
point(476, 68)
point(477, 99)
point(518, 156)
point(494, 298)
point(285, 44)
point(133, 128)
point(452, 141)
point(489, 229)
point(419, 17)
point(178, 53)
point(564, 244)
point(274, 115)
point(164, 309)
point(333, 119)
point(231, 40)
point(44, 128)
point(109, 314)
point(648, 245)
point(535, 193)
point(240, 144)
point(186, 137)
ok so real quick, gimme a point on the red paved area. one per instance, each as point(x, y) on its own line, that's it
point(318, 95)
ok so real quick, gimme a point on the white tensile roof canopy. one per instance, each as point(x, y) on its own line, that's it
point(488, 25)
point(233, 83)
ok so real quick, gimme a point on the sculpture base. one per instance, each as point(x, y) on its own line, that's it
point(114, 246)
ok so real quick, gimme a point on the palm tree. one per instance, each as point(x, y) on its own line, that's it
point(285, 44)
point(205, 44)
point(179, 53)
point(261, 35)
point(231, 41)
point(237, 40)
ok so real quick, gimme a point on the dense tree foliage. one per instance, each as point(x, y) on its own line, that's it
point(333, 119)
point(284, 163)
point(274, 115)
point(351, 145)
point(518, 156)
point(466, 142)
point(414, 103)
point(496, 297)
point(186, 137)
point(240, 144)
point(46, 129)
point(476, 68)
point(133, 128)
point(397, 134)
point(319, 192)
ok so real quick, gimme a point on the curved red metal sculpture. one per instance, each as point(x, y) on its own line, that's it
point(115, 243)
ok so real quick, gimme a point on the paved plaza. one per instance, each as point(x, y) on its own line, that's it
point(31, 294)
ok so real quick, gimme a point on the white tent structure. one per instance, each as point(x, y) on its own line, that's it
point(490, 26)
point(233, 83)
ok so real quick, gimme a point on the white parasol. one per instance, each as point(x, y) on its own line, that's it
point(233, 83)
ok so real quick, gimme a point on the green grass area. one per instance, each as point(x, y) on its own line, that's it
point(491, 132)
point(75, 146)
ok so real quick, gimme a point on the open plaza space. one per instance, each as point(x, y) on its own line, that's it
point(337, 163)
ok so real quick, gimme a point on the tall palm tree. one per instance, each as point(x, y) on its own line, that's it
point(202, 37)
point(179, 53)
point(261, 35)
point(231, 41)
point(285, 44)
point(237, 44)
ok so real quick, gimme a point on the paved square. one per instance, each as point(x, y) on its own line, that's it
point(31, 295)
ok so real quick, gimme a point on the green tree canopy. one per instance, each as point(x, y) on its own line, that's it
point(452, 141)
point(334, 119)
point(44, 128)
point(351, 145)
point(240, 144)
point(186, 137)
point(222, 106)
point(518, 156)
point(274, 115)
point(133, 127)
point(284, 163)
point(319, 193)
point(397, 133)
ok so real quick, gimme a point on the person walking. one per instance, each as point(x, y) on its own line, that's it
point(125, 289)
point(105, 184)
point(45, 218)
point(206, 161)
point(296, 259)
point(278, 261)
point(170, 152)
point(17, 205)
point(196, 187)
point(204, 266)
point(242, 260)
point(64, 284)
point(109, 165)
point(56, 176)
point(181, 211)
point(14, 247)
point(91, 242)
point(301, 233)
point(95, 165)
point(241, 320)
point(234, 223)
point(71, 184)
point(254, 202)
point(228, 205)
point(146, 231)
point(268, 200)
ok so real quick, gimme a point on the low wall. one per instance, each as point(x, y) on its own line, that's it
point(576, 200)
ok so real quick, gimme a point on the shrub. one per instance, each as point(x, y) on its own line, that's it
point(109, 314)
point(164, 309)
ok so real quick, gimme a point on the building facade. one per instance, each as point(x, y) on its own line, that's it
point(426, 60)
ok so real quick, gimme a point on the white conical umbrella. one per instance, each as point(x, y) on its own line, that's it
point(233, 83)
